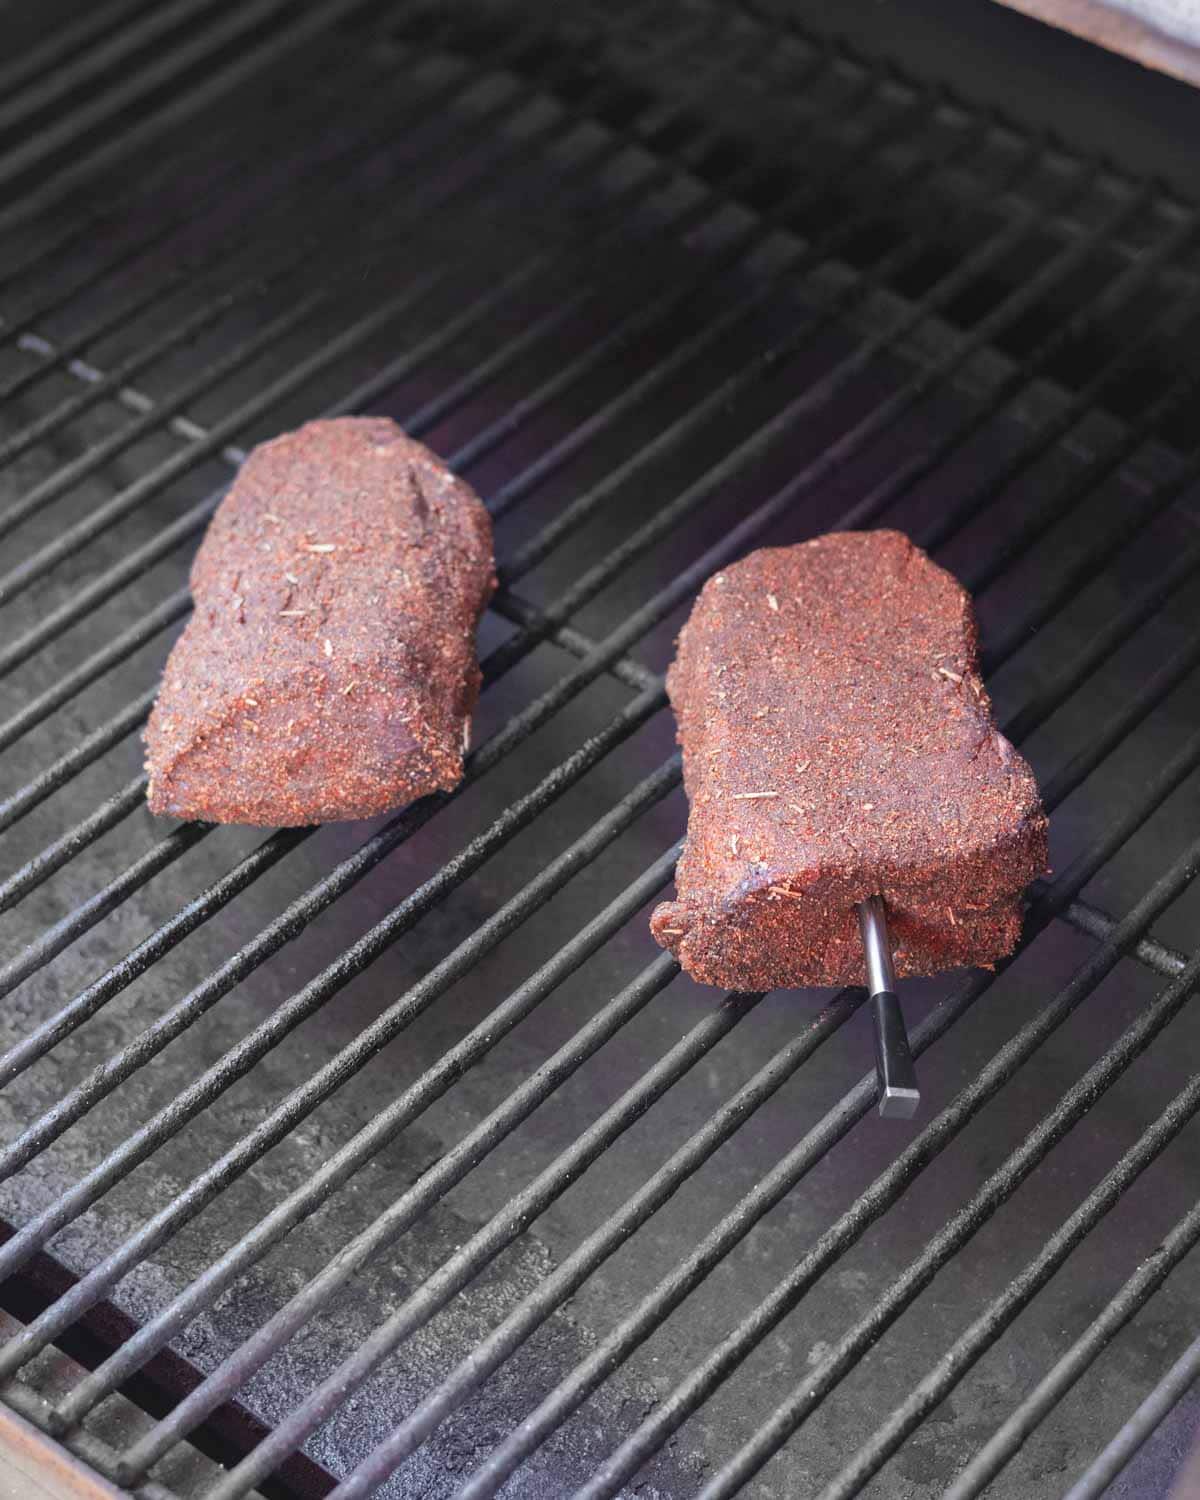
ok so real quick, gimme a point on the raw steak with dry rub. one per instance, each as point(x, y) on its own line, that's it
point(838, 742)
point(329, 670)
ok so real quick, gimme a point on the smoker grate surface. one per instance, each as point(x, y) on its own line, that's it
point(397, 1159)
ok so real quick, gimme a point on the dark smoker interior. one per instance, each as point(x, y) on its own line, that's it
point(396, 1158)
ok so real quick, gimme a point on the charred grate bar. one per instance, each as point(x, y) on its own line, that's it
point(363, 1226)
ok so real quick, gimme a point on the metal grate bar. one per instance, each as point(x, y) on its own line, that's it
point(614, 216)
point(171, 609)
point(74, 537)
point(68, 475)
point(24, 878)
point(742, 244)
point(24, 887)
point(1173, 1387)
point(559, 1285)
point(100, 740)
point(64, 849)
point(1086, 399)
point(92, 1450)
point(522, 1321)
point(1061, 151)
point(1107, 640)
point(116, 576)
point(322, 81)
point(746, 531)
point(1104, 464)
point(121, 209)
point(809, 325)
point(170, 537)
point(644, 320)
point(626, 331)
point(1020, 1423)
point(625, 669)
point(19, 163)
point(1019, 725)
point(51, 53)
point(1135, 516)
point(150, 484)
point(853, 1107)
point(114, 384)
point(1134, 711)
point(42, 1049)
point(821, 248)
point(1098, 924)
point(197, 911)
point(192, 520)
point(38, 869)
point(66, 81)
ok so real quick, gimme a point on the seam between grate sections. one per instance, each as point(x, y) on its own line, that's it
point(129, 396)
point(1088, 237)
point(134, 495)
point(191, 527)
point(1085, 918)
point(512, 606)
point(591, 498)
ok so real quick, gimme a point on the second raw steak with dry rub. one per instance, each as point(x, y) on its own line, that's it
point(329, 670)
point(838, 742)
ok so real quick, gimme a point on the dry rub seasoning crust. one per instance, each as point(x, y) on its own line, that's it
point(329, 670)
point(838, 741)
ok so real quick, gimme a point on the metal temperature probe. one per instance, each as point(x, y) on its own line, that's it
point(898, 1091)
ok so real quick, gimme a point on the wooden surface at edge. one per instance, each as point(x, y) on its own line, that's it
point(34, 1467)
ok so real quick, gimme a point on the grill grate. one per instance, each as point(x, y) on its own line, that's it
point(317, 1200)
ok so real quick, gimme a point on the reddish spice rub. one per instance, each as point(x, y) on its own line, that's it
point(329, 670)
point(838, 741)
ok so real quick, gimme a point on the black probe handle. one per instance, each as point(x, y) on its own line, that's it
point(898, 1091)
